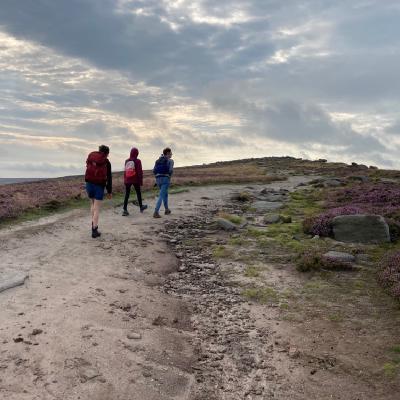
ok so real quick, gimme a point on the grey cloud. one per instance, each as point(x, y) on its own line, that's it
point(394, 129)
point(291, 122)
point(101, 130)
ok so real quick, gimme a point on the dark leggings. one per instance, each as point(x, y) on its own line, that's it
point(128, 192)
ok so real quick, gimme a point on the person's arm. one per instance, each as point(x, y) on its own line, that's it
point(171, 166)
point(139, 172)
point(109, 178)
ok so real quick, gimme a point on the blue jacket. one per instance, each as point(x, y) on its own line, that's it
point(170, 165)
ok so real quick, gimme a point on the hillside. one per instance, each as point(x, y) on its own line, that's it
point(51, 194)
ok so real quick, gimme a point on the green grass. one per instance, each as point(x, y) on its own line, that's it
point(261, 295)
point(395, 349)
point(237, 241)
point(252, 272)
point(303, 202)
point(221, 252)
point(235, 219)
point(390, 369)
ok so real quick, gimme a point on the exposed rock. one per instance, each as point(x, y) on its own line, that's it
point(267, 205)
point(332, 183)
point(360, 178)
point(361, 229)
point(340, 256)
point(363, 258)
point(272, 218)
point(87, 374)
point(134, 335)
point(274, 197)
point(11, 280)
point(225, 224)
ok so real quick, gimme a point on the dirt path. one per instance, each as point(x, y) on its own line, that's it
point(113, 319)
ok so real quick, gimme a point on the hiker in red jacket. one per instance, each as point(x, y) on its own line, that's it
point(98, 176)
point(133, 175)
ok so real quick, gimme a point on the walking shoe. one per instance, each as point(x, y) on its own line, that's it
point(95, 233)
point(156, 215)
point(144, 207)
point(167, 211)
point(125, 213)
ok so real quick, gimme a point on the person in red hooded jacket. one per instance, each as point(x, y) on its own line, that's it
point(133, 176)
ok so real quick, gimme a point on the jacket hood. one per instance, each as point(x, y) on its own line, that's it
point(134, 153)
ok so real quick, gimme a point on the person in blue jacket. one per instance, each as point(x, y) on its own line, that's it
point(163, 170)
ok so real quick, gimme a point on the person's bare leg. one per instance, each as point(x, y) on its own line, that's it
point(92, 209)
point(96, 212)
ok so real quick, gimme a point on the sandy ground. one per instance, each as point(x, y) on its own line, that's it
point(93, 321)
point(64, 334)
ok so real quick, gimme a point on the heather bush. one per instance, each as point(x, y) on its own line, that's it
point(367, 198)
point(389, 275)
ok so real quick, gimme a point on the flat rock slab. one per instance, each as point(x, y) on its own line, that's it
point(340, 256)
point(366, 229)
point(11, 280)
point(225, 224)
point(272, 219)
point(267, 205)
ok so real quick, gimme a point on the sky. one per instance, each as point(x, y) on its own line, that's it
point(214, 80)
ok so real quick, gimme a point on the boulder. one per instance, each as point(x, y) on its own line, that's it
point(225, 224)
point(272, 219)
point(332, 183)
point(361, 229)
point(264, 206)
point(340, 256)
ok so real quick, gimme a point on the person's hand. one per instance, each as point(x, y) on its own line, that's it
point(109, 196)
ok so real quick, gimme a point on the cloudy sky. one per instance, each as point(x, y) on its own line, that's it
point(215, 80)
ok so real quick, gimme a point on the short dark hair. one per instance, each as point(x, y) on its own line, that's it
point(166, 151)
point(104, 149)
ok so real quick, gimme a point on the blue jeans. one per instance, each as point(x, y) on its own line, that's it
point(163, 184)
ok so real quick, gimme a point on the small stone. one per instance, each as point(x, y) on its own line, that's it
point(36, 332)
point(88, 373)
point(134, 335)
point(182, 268)
point(294, 352)
point(272, 218)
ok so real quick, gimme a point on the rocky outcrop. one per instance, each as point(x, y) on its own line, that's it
point(361, 229)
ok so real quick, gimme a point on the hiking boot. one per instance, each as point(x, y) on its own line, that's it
point(125, 213)
point(95, 233)
point(156, 215)
point(144, 207)
point(167, 211)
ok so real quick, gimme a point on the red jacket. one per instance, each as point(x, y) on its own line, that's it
point(138, 178)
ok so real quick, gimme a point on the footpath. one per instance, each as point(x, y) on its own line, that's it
point(147, 312)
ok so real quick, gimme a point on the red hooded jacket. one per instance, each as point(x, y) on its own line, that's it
point(138, 178)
